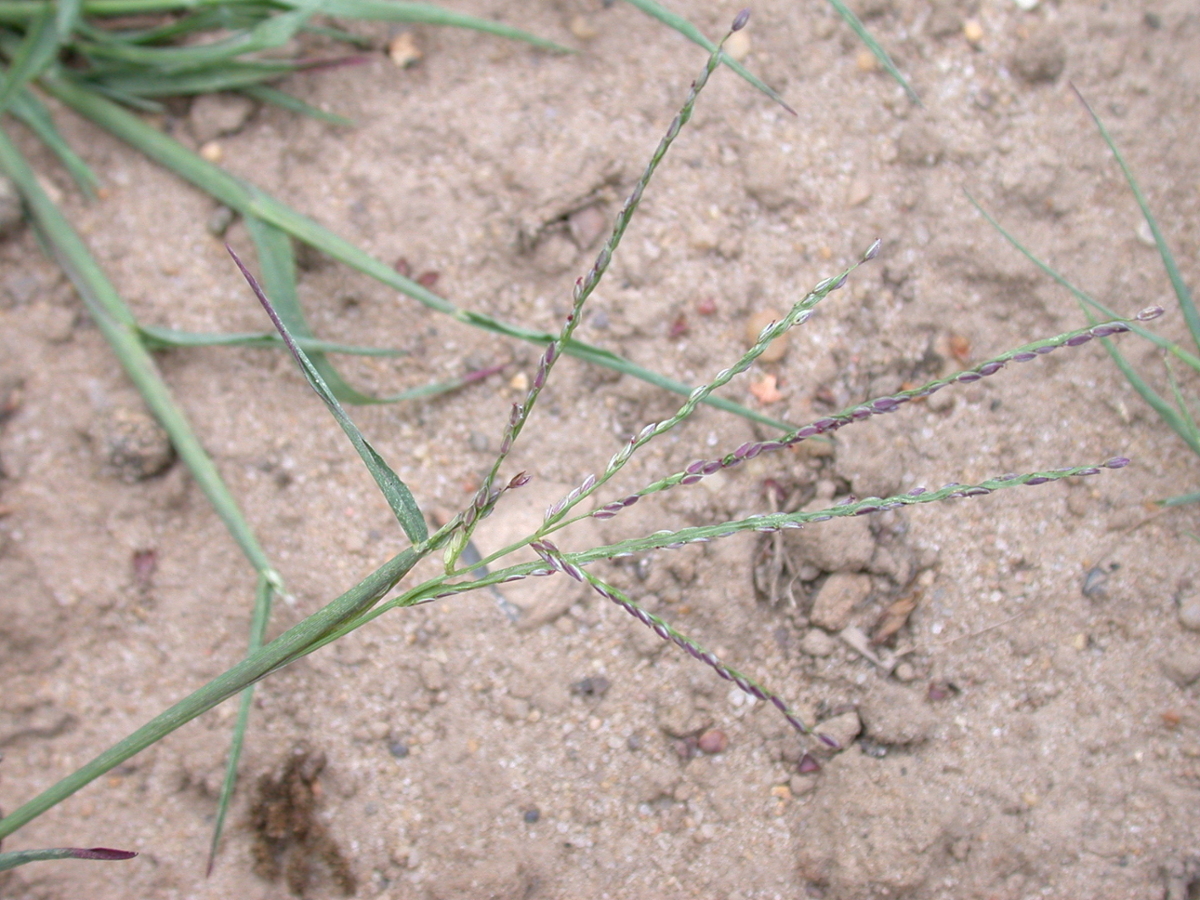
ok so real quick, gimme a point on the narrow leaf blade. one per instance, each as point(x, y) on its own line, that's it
point(395, 491)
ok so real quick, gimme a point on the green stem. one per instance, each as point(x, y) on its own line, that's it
point(292, 644)
point(120, 328)
point(251, 201)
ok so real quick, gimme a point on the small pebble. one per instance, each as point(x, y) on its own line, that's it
point(858, 193)
point(635, 741)
point(398, 749)
point(1041, 58)
point(1189, 612)
point(531, 815)
point(799, 785)
point(133, 445)
point(592, 686)
point(10, 207)
point(1144, 235)
point(778, 348)
point(218, 114)
point(737, 45)
point(713, 741)
point(808, 764)
point(905, 672)
point(839, 596)
point(582, 27)
point(587, 225)
point(972, 31)
point(817, 643)
point(220, 220)
point(212, 152)
point(866, 61)
point(403, 51)
point(843, 729)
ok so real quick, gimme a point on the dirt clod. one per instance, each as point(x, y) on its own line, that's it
point(290, 840)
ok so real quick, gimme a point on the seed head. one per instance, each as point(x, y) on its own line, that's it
point(740, 20)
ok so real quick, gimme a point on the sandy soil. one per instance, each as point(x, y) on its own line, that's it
point(1041, 735)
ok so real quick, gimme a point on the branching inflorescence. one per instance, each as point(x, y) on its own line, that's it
point(365, 601)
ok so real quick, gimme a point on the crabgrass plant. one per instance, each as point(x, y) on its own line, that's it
point(1176, 413)
point(464, 571)
point(103, 58)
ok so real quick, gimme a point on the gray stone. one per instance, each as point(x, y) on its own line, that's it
point(919, 145)
point(944, 19)
point(838, 545)
point(1189, 612)
point(836, 600)
point(817, 643)
point(10, 207)
point(132, 445)
point(843, 729)
point(215, 115)
point(1041, 58)
point(1182, 668)
point(896, 716)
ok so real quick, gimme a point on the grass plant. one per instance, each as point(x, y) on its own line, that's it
point(105, 58)
point(1177, 412)
point(463, 571)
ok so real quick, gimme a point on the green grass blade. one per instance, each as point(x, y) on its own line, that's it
point(34, 53)
point(428, 14)
point(278, 263)
point(258, 630)
point(271, 32)
point(1086, 299)
point(692, 33)
point(874, 46)
point(65, 17)
point(395, 491)
point(1139, 384)
point(265, 94)
point(290, 645)
point(230, 76)
point(1182, 500)
point(117, 324)
point(157, 338)
point(1186, 303)
point(251, 201)
point(29, 109)
point(21, 857)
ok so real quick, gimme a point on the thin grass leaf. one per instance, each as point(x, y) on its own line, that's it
point(266, 94)
point(272, 32)
point(27, 108)
point(1182, 500)
point(876, 49)
point(696, 36)
point(1144, 389)
point(1086, 299)
point(251, 201)
point(395, 491)
point(427, 14)
point(1190, 313)
point(263, 597)
point(294, 643)
point(278, 263)
point(34, 53)
point(21, 857)
point(229, 76)
point(117, 324)
point(65, 17)
point(157, 338)
point(339, 34)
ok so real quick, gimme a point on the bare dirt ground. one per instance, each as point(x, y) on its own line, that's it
point(1036, 740)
